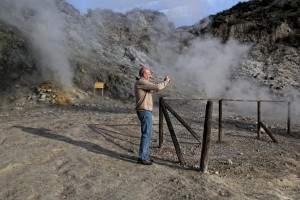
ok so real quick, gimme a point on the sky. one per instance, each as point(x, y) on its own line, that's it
point(187, 12)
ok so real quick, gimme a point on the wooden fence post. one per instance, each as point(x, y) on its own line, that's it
point(161, 124)
point(206, 137)
point(289, 119)
point(183, 122)
point(258, 119)
point(268, 132)
point(220, 121)
point(172, 133)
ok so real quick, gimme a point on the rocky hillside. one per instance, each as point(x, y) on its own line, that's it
point(111, 47)
point(106, 46)
point(102, 46)
point(273, 29)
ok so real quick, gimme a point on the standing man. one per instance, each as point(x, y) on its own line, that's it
point(143, 90)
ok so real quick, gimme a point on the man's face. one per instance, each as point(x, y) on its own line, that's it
point(147, 75)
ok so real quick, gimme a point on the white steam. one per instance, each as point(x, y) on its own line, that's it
point(44, 25)
point(208, 64)
point(205, 70)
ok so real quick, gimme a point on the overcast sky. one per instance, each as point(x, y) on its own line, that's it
point(181, 12)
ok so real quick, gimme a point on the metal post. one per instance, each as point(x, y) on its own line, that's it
point(206, 137)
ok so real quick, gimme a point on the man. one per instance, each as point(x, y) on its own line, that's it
point(143, 90)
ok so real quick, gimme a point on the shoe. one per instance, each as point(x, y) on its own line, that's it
point(144, 162)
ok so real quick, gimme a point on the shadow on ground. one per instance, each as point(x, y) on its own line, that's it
point(89, 146)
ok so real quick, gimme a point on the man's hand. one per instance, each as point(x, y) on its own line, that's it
point(167, 78)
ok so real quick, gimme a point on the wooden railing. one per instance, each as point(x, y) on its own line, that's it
point(164, 107)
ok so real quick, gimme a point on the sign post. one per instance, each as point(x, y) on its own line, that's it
point(99, 85)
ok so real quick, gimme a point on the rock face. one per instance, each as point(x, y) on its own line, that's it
point(16, 64)
point(110, 47)
point(273, 29)
point(103, 46)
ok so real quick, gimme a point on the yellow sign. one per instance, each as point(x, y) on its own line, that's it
point(99, 85)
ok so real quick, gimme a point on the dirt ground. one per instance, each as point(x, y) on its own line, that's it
point(88, 150)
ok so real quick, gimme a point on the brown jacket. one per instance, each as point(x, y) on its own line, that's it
point(143, 90)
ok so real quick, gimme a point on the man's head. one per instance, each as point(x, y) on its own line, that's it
point(145, 73)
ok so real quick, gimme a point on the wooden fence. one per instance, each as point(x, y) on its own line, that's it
point(164, 107)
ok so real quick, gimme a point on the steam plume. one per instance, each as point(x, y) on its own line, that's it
point(43, 24)
point(208, 63)
point(206, 67)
